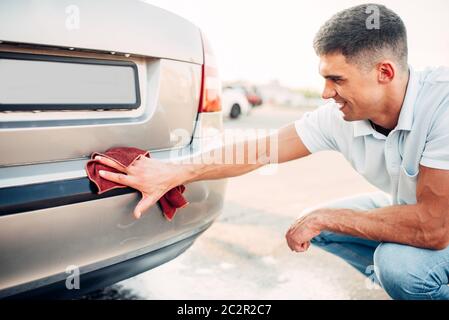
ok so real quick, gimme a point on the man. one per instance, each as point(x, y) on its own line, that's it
point(392, 124)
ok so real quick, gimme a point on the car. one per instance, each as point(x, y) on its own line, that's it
point(82, 78)
point(253, 95)
point(234, 103)
point(251, 92)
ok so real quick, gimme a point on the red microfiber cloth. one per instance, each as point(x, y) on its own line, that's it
point(125, 156)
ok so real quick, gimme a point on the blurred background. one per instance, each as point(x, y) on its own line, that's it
point(269, 43)
point(270, 71)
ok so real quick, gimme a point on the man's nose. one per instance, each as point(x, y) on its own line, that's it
point(328, 92)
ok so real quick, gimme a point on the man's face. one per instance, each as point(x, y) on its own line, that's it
point(357, 91)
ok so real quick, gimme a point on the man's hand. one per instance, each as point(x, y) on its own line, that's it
point(151, 177)
point(422, 225)
point(302, 231)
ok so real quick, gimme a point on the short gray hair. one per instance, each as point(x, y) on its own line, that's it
point(348, 33)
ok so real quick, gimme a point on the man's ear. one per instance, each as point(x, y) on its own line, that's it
point(386, 71)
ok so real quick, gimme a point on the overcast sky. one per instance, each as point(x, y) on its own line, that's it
point(262, 40)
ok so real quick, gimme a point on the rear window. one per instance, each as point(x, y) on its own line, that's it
point(44, 82)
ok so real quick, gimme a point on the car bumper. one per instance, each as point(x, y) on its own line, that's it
point(48, 228)
point(103, 276)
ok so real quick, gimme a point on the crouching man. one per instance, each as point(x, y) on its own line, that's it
point(392, 124)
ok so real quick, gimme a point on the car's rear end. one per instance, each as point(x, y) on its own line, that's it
point(83, 76)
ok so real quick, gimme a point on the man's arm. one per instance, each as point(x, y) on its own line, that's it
point(424, 224)
point(288, 147)
point(154, 178)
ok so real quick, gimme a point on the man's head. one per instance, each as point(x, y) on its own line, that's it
point(363, 58)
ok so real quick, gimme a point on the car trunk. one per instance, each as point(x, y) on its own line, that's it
point(162, 50)
point(151, 63)
point(169, 98)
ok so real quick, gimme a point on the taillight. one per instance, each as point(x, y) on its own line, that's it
point(210, 96)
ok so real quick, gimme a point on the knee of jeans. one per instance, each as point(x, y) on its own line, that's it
point(323, 238)
point(399, 273)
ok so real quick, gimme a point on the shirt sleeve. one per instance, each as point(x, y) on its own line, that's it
point(436, 150)
point(315, 129)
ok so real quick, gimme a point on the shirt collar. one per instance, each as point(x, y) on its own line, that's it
point(405, 121)
point(362, 128)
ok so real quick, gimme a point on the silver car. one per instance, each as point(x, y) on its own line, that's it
point(81, 76)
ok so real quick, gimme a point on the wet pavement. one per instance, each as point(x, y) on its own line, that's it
point(243, 255)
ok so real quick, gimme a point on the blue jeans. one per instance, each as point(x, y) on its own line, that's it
point(404, 272)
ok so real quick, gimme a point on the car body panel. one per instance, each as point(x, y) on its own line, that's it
point(127, 27)
point(51, 217)
point(36, 247)
point(101, 277)
point(148, 127)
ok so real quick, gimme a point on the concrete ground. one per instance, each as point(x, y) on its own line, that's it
point(244, 254)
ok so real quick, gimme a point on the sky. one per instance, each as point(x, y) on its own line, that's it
point(265, 40)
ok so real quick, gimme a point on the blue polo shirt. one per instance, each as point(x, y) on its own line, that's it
point(390, 163)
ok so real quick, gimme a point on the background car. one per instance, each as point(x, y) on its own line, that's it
point(235, 103)
point(251, 92)
point(254, 97)
point(129, 75)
